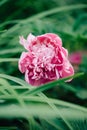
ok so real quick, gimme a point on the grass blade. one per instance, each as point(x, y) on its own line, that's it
point(14, 79)
point(50, 85)
point(8, 59)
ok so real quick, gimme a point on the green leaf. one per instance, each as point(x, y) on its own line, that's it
point(15, 79)
point(50, 85)
point(8, 59)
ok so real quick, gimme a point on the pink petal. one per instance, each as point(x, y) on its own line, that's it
point(31, 81)
point(30, 38)
point(55, 38)
point(26, 43)
point(24, 61)
point(22, 41)
point(65, 52)
point(67, 69)
point(50, 38)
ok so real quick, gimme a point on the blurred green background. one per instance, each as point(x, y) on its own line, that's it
point(67, 18)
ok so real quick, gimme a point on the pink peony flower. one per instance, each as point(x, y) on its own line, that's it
point(76, 58)
point(45, 60)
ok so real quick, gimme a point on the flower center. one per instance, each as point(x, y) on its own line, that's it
point(43, 54)
point(42, 57)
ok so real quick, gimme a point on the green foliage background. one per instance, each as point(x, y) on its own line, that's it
point(57, 105)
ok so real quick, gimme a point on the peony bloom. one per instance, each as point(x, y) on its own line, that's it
point(45, 60)
point(76, 58)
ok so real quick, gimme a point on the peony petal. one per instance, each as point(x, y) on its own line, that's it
point(50, 38)
point(22, 41)
point(27, 76)
point(30, 38)
point(24, 61)
point(31, 81)
point(54, 38)
point(65, 52)
point(67, 69)
point(27, 43)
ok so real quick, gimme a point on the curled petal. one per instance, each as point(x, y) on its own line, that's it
point(65, 52)
point(31, 81)
point(54, 38)
point(26, 43)
point(30, 38)
point(24, 61)
point(22, 41)
point(67, 69)
point(50, 38)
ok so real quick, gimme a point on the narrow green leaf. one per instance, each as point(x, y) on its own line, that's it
point(3, 2)
point(50, 85)
point(56, 110)
point(55, 10)
point(8, 59)
point(39, 111)
point(10, 51)
point(15, 79)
